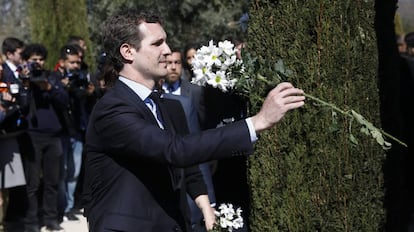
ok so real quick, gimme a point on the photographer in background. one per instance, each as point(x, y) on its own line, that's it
point(12, 179)
point(14, 127)
point(80, 92)
point(48, 98)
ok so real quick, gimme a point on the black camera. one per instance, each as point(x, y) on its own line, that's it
point(36, 72)
point(77, 78)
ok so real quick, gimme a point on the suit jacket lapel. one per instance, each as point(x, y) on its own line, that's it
point(128, 95)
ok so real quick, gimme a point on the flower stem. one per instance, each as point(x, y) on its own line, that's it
point(334, 107)
point(350, 115)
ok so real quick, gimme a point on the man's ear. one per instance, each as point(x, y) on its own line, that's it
point(8, 55)
point(127, 52)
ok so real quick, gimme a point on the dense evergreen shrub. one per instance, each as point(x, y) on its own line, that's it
point(307, 174)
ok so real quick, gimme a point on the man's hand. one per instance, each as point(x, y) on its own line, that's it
point(65, 81)
point(7, 97)
point(209, 217)
point(281, 99)
point(90, 89)
point(203, 204)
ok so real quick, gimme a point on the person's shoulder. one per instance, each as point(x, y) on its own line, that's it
point(8, 74)
point(6, 67)
point(177, 98)
point(172, 99)
point(192, 86)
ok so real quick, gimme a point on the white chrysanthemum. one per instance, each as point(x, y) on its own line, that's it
point(219, 80)
point(227, 47)
point(217, 66)
point(229, 218)
point(228, 62)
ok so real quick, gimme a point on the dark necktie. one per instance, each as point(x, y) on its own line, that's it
point(155, 97)
point(171, 88)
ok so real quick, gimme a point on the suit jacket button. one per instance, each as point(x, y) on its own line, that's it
point(176, 229)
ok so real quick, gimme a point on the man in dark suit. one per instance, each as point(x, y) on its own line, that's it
point(12, 49)
point(175, 85)
point(134, 155)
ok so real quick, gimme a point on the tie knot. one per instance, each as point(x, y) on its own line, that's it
point(148, 101)
point(171, 88)
point(155, 96)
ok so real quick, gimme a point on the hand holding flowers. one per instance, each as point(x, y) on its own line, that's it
point(217, 66)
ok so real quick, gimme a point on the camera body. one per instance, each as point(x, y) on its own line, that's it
point(36, 72)
point(77, 79)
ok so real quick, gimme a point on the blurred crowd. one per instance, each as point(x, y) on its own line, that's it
point(43, 118)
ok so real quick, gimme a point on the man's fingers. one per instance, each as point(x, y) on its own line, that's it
point(282, 86)
point(294, 99)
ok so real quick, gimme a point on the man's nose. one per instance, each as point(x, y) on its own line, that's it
point(166, 50)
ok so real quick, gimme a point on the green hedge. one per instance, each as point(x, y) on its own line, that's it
point(306, 174)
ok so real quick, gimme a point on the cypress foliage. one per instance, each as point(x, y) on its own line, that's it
point(307, 174)
point(53, 21)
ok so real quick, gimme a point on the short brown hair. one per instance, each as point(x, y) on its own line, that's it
point(123, 28)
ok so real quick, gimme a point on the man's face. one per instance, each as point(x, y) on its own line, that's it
point(15, 57)
point(150, 59)
point(174, 67)
point(37, 59)
point(72, 62)
point(239, 48)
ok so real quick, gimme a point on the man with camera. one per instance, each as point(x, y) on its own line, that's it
point(80, 92)
point(47, 99)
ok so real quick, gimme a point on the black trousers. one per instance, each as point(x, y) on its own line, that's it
point(42, 169)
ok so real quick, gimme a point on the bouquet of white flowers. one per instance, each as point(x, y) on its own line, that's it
point(229, 219)
point(218, 66)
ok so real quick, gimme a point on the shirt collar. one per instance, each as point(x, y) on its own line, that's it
point(141, 90)
point(174, 86)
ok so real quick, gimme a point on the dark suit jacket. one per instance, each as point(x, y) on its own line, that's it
point(196, 94)
point(8, 74)
point(127, 170)
point(189, 110)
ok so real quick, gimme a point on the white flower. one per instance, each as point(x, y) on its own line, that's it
point(229, 219)
point(217, 66)
point(219, 80)
point(227, 47)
